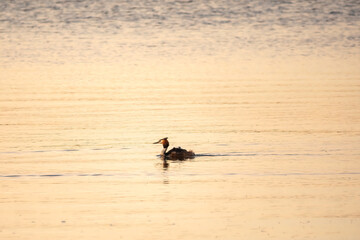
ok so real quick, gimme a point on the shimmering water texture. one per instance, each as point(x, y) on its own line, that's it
point(266, 93)
point(107, 31)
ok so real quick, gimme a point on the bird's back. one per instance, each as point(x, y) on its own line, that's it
point(179, 154)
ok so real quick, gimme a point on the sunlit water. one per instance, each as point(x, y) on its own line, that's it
point(266, 95)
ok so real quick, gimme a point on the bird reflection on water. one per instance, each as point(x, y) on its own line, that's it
point(165, 164)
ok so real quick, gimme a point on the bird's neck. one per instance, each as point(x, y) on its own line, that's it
point(163, 151)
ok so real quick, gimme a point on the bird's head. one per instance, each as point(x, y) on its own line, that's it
point(163, 141)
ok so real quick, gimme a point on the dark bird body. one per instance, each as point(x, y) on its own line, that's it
point(174, 153)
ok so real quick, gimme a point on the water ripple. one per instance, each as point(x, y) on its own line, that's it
point(177, 174)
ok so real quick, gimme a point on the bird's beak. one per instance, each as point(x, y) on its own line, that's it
point(157, 142)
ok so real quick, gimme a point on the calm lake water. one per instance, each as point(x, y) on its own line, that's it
point(267, 94)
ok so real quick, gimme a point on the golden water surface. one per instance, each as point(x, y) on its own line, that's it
point(271, 107)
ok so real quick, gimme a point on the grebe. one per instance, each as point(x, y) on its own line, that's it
point(175, 153)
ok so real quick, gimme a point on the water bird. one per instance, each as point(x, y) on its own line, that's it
point(175, 153)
